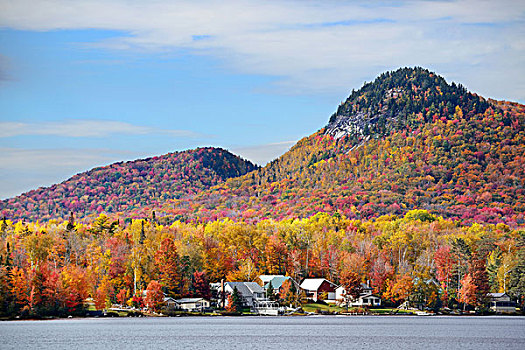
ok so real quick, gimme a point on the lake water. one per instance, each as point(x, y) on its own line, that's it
point(228, 333)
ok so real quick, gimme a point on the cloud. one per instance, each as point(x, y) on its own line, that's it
point(309, 46)
point(262, 154)
point(86, 128)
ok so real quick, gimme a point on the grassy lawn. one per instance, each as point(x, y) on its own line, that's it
point(389, 311)
point(312, 307)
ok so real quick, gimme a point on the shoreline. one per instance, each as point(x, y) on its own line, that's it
point(256, 315)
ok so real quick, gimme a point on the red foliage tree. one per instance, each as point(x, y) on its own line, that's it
point(154, 296)
point(467, 292)
point(167, 262)
point(352, 285)
point(444, 264)
point(478, 273)
point(201, 285)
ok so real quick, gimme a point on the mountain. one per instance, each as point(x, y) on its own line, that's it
point(396, 100)
point(407, 140)
point(125, 186)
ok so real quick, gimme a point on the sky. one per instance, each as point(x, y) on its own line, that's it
point(85, 83)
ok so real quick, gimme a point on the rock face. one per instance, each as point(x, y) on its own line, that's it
point(405, 98)
point(348, 125)
point(359, 123)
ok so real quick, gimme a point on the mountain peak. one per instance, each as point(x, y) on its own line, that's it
point(404, 98)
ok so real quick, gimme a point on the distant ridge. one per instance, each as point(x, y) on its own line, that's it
point(126, 186)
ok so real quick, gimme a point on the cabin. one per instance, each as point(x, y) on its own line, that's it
point(277, 282)
point(501, 303)
point(366, 297)
point(193, 304)
point(316, 287)
point(249, 291)
point(170, 303)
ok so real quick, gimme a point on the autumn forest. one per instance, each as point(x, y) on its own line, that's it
point(415, 185)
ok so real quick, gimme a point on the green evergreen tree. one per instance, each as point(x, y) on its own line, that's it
point(270, 291)
point(142, 233)
point(3, 228)
point(71, 223)
point(234, 301)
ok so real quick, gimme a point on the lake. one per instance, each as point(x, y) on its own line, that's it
point(324, 332)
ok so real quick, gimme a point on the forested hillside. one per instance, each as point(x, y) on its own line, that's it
point(408, 140)
point(125, 186)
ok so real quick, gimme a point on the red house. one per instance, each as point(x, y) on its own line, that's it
point(315, 287)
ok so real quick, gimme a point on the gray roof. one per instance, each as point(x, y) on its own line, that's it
point(247, 289)
point(364, 286)
point(496, 295)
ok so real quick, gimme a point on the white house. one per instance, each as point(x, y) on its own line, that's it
point(193, 304)
point(501, 303)
point(170, 303)
point(366, 297)
point(315, 287)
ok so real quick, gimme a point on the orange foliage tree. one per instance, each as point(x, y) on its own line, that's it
point(154, 296)
point(399, 290)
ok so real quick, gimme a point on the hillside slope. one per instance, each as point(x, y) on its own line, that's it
point(407, 140)
point(125, 186)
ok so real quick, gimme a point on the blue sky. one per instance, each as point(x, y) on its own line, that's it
point(90, 82)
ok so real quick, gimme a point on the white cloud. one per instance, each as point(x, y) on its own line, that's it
point(262, 154)
point(311, 46)
point(85, 128)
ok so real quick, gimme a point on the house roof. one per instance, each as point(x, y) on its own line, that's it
point(496, 295)
point(314, 283)
point(189, 300)
point(254, 287)
point(364, 288)
point(277, 280)
point(368, 295)
point(247, 289)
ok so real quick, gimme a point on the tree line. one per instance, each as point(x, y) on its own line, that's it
point(52, 268)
